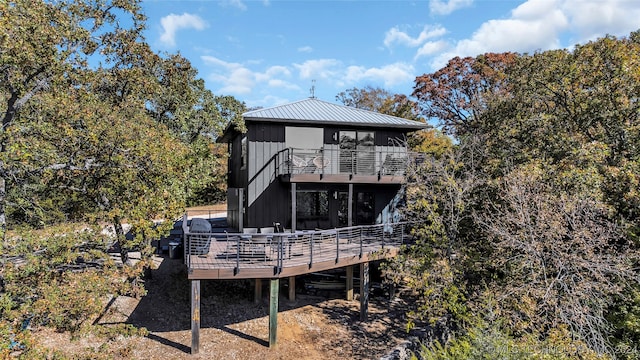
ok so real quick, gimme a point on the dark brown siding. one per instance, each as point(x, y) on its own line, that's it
point(271, 206)
point(265, 132)
point(236, 176)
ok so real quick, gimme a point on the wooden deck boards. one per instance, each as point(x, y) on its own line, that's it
point(223, 261)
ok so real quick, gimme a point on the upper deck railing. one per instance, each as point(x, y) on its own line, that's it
point(274, 252)
point(389, 161)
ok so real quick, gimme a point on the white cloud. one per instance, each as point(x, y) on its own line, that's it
point(234, 77)
point(534, 25)
point(431, 47)
point(538, 25)
point(238, 79)
point(390, 75)
point(241, 79)
point(396, 36)
point(172, 23)
point(234, 3)
point(443, 7)
point(591, 19)
point(305, 49)
point(319, 69)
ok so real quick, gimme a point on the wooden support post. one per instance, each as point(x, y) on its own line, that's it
point(349, 284)
point(195, 316)
point(364, 291)
point(257, 291)
point(273, 312)
point(292, 288)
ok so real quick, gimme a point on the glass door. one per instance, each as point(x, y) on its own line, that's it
point(347, 148)
point(365, 208)
point(343, 209)
point(365, 149)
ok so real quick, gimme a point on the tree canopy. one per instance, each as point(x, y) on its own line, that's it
point(100, 131)
point(533, 213)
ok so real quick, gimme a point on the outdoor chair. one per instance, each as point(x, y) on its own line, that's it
point(200, 237)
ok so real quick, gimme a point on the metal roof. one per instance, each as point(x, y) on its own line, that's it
point(314, 111)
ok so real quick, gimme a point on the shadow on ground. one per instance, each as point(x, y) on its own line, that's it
point(166, 308)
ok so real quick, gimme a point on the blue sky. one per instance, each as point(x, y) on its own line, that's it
point(269, 52)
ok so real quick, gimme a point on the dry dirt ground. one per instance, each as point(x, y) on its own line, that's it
point(315, 327)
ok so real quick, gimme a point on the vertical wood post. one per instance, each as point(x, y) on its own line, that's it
point(349, 284)
point(195, 316)
point(273, 312)
point(364, 291)
point(257, 292)
point(292, 288)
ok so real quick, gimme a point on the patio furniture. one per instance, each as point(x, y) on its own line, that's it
point(200, 237)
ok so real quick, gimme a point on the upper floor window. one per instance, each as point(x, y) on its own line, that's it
point(303, 137)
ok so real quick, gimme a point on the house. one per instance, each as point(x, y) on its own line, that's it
point(329, 176)
point(312, 164)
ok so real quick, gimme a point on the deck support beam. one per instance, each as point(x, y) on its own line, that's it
point(292, 288)
point(364, 291)
point(257, 291)
point(349, 284)
point(273, 312)
point(195, 316)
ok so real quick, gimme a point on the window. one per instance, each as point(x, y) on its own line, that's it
point(243, 153)
point(312, 209)
point(357, 152)
point(365, 208)
point(303, 137)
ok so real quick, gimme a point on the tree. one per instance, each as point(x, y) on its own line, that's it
point(561, 260)
point(44, 46)
point(381, 101)
point(196, 117)
point(443, 262)
point(552, 224)
point(458, 94)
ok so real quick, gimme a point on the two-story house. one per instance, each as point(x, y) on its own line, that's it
point(330, 175)
point(312, 164)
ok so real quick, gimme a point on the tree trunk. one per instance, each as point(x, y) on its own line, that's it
point(120, 240)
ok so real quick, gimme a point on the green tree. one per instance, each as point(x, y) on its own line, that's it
point(553, 218)
point(196, 117)
point(44, 47)
point(381, 101)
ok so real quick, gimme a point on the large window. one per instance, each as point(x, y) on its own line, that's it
point(312, 209)
point(303, 137)
point(357, 152)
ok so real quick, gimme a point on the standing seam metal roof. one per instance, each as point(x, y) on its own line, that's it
point(316, 111)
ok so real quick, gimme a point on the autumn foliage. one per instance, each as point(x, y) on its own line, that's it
point(531, 219)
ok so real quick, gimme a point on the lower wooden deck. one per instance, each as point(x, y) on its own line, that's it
point(242, 256)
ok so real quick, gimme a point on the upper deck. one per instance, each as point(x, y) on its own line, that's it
point(279, 255)
point(332, 165)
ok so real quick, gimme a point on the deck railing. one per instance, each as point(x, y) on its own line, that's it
point(389, 161)
point(280, 250)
